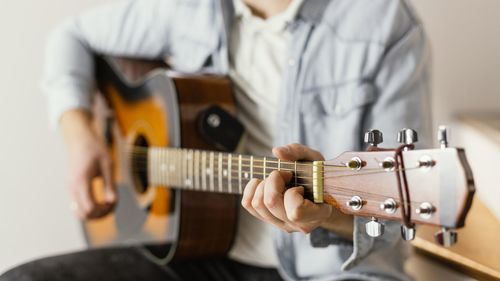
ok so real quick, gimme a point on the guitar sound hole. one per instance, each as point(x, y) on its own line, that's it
point(139, 164)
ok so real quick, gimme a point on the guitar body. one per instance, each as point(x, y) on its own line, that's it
point(148, 106)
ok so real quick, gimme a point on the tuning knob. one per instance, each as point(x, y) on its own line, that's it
point(425, 210)
point(374, 137)
point(356, 203)
point(374, 228)
point(407, 136)
point(443, 136)
point(446, 237)
point(408, 233)
point(389, 206)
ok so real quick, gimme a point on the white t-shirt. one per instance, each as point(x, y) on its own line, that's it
point(258, 51)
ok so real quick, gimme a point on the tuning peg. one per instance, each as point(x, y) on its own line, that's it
point(374, 137)
point(446, 237)
point(443, 136)
point(407, 136)
point(408, 233)
point(374, 228)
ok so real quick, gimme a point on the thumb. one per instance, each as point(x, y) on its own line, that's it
point(109, 187)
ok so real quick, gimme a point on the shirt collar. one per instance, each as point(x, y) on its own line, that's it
point(277, 22)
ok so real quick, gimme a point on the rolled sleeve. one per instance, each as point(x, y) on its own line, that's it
point(124, 28)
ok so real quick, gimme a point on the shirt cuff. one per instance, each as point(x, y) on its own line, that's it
point(62, 100)
point(362, 244)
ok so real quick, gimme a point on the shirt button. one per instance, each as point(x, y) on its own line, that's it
point(291, 62)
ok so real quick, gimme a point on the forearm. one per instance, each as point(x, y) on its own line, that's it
point(76, 125)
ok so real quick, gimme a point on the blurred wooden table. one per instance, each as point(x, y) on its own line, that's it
point(477, 252)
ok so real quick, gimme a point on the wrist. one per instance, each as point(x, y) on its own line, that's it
point(76, 126)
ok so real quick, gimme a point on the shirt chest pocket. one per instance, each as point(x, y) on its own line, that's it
point(337, 101)
point(332, 117)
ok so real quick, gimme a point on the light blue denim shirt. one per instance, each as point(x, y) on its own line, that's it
point(352, 65)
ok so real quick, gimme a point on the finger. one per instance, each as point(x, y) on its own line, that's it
point(109, 187)
point(300, 210)
point(248, 193)
point(273, 193)
point(82, 198)
point(76, 205)
point(259, 206)
point(87, 205)
point(295, 151)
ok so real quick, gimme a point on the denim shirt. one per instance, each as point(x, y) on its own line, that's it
point(352, 65)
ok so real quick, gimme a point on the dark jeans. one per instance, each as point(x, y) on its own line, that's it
point(127, 264)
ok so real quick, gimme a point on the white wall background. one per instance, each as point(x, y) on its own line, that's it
point(465, 38)
point(34, 211)
point(34, 215)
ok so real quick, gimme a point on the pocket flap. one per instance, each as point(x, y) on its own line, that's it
point(338, 99)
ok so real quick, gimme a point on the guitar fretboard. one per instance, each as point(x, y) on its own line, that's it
point(217, 171)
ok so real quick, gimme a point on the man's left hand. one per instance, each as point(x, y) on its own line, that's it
point(286, 208)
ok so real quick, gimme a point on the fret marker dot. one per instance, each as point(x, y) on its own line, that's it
point(163, 167)
point(246, 175)
point(224, 172)
point(187, 182)
point(209, 171)
point(172, 168)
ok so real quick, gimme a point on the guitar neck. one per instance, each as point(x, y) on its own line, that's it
point(217, 171)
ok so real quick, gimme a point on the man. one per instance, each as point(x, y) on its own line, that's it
point(315, 72)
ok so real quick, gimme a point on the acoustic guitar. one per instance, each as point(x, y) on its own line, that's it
point(171, 137)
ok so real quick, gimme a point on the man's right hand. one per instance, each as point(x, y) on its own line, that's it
point(88, 159)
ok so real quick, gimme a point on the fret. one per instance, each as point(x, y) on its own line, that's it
point(219, 167)
point(251, 167)
point(240, 188)
point(279, 164)
point(190, 167)
point(211, 172)
point(295, 172)
point(168, 158)
point(204, 170)
point(173, 156)
point(175, 179)
point(151, 164)
point(158, 169)
point(178, 157)
point(157, 159)
point(229, 172)
point(184, 165)
point(197, 169)
point(264, 169)
point(185, 171)
point(161, 169)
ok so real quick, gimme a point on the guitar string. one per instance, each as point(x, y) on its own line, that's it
point(371, 197)
point(360, 173)
point(225, 156)
point(183, 158)
point(184, 153)
point(235, 179)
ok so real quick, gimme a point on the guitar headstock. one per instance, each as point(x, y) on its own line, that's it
point(429, 186)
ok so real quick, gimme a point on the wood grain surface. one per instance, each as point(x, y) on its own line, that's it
point(477, 252)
